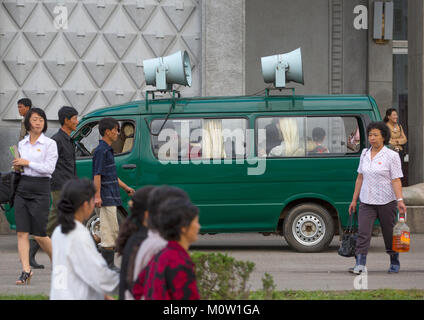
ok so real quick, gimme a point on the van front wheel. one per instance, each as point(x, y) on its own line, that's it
point(308, 228)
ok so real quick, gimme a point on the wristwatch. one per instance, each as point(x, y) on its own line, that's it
point(400, 199)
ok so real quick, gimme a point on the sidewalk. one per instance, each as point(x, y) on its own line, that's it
point(291, 270)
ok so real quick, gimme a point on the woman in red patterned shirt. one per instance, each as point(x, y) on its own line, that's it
point(170, 274)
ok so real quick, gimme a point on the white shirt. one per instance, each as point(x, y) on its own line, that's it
point(79, 271)
point(149, 247)
point(42, 156)
point(378, 174)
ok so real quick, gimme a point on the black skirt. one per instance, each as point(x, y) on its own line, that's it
point(32, 205)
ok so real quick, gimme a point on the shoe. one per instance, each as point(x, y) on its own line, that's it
point(360, 264)
point(109, 256)
point(33, 248)
point(394, 263)
point(25, 278)
point(356, 263)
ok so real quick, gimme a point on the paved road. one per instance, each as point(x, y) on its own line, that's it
point(290, 270)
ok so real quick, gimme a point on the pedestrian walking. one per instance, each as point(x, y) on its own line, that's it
point(170, 274)
point(24, 105)
point(155, 242)
point(79, 271)
point(132, 233)
point(38, 156)
point(397, 135)
point(107, 185)
point(379, 189)
point(65, 169)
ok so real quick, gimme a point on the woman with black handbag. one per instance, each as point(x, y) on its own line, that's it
point(38, 156)
point(379, 188)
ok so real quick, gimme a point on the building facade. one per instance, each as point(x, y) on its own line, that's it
point(92, 57)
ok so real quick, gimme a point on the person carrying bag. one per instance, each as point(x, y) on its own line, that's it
point(348, 244)
point(8, 184)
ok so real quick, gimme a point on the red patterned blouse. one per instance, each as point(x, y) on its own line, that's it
point(169, 275)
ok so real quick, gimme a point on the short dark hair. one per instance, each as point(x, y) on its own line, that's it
point(38, 111)
point(107, 124)
point(384, 130)
point(66, 113)
point(156, 197)
point(388, 114)
point(174, 214)
point(318, 134)
point(26, 102)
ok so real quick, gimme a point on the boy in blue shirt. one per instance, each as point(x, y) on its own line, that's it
point(107, 183)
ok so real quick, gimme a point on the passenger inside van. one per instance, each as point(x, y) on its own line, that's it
point(318, 136)
point(353, 141)
point(273, 136)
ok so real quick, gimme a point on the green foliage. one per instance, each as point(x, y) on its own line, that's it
point(381, 294)
point(268, 287)
point(220, 276)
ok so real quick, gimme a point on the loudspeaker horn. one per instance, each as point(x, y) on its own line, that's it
point(282, 68)
point(163, 72)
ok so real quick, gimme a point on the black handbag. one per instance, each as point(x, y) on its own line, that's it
point(348, 244)
point(8, 185)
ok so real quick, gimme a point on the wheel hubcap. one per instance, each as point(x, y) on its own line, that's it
point(95, 229)
point(308, 229)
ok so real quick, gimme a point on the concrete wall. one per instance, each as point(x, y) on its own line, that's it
point(223, 28)
point(334, 53)
point(380, 68)
point(93, 61)
point(415, 90)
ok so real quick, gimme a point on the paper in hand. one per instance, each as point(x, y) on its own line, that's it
point(14, 151)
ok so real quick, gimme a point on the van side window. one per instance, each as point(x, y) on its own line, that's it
point(199, 138)
point(87, 139)
point(332, 135)
point(307, 136)
point(281, 137)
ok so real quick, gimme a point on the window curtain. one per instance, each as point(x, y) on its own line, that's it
point(212, 140)
point(290, 131)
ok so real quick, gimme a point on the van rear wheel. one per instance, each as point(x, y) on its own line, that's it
point(308, 228)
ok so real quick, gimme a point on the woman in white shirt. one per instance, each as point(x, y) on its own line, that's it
point(79, 271)
point(38, 156)
point(379, 189)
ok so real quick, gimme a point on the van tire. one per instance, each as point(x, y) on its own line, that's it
point(93, 224)
point(308, 228)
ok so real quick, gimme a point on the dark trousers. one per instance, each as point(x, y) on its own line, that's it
point(366, 217)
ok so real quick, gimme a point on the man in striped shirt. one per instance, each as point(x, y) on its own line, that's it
point(107, 184)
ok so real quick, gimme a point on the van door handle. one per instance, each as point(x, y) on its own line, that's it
point(129, 166)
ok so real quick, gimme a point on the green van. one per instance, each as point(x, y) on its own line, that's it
point(268, 164)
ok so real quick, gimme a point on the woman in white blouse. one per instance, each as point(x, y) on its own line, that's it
point(79, 271)
point(379, 189)
point(38, 156)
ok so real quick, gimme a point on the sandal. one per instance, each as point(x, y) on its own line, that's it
point(25, 278)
